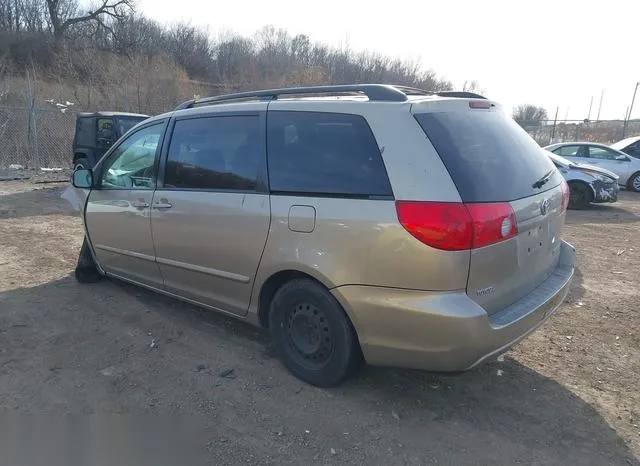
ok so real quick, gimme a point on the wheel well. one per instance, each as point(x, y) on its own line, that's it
point(79, 155)
point(631, 178)
point(584, 184)
point(269, 289)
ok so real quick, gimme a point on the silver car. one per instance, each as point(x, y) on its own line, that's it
point(587, 183)
point(602, 156)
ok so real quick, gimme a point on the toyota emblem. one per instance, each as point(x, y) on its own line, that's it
point(544, 207)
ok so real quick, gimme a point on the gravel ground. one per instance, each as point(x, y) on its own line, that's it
point(566, 395)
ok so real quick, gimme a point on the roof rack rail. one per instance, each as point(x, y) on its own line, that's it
point(375, 92)
point(461, 94)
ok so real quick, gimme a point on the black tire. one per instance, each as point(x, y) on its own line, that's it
point(81, 162)
point(580, 196)
point(312, 334)
point(86, 270)
point(634, 182)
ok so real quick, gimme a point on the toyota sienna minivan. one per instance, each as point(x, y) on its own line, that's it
point(357, 223)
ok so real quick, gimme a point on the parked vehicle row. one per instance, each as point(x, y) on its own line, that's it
point(389, 225)
point(626, 167)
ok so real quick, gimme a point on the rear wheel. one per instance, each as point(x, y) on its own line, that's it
point(312, 334)
point(86, 269)
point(81, 163)
point(634, 182)
point(580, 196)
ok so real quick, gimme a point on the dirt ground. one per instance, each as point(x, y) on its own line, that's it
point(569, 394)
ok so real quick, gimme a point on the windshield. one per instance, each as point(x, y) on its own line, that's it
point(559, 160)
point(489, 156)
point(624, 143)
point(126, 123)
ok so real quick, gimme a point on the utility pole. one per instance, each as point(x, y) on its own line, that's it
point(555, 121)
point(633, 99)
point(600, 106)
point(590, 107)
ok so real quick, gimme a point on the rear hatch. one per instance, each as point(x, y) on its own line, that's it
point(513, 192)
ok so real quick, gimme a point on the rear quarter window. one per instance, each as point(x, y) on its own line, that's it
point(324, 154)
point(489, 157)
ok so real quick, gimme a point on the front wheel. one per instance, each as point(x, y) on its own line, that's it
point(86, 269)
point(312, 334)
point(634, 182)
point(579, 196)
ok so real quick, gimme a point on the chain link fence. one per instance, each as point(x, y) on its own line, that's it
point(603, 131)
point(36, 138)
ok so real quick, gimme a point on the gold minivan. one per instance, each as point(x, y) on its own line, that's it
point(357, 223)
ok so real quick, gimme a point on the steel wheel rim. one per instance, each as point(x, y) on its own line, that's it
point(636, 183)
point(308, 335)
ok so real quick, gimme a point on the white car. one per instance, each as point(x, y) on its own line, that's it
point(626, 167)
point(629, 146)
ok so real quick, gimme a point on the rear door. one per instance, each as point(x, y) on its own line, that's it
point(210, 214)
point(500, 171)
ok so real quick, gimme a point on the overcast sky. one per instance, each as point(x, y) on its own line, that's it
point(545, 52)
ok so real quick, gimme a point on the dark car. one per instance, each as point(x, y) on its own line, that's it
point(96, 132)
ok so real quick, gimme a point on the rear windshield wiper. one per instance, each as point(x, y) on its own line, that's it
point(542, 181)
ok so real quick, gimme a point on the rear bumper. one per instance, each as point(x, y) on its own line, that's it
point(447, 331)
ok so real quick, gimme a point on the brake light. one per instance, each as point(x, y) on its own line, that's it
point(479, 104)
point(453, 226)
point(565, 195)
point(492, 223)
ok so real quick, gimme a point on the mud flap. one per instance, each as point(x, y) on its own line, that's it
point(86, 270)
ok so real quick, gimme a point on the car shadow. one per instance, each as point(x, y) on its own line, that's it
point(36, 202)
point(114, 346)
point(602, 213)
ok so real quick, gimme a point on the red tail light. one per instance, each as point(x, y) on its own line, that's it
point(455, 226)
point(565, 195)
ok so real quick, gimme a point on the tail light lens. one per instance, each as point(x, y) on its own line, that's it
point(452, 226)
point(565, 195)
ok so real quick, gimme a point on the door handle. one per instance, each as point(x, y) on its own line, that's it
point(162, 204)
point(140, 204)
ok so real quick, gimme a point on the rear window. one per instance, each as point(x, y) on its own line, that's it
point(324, 154)
point(489, 157)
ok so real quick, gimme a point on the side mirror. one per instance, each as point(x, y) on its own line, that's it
point(623, 158)
point(82, 178)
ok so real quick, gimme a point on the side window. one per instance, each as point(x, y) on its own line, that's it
point(324, 154)
point(601, 153)
point(105, 134)
point(130, 165)
point(567, 151)
point(215, 153)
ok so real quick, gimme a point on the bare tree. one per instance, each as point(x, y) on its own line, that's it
point(528, 115)
point(64, 14)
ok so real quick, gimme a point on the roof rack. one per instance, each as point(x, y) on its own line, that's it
point(461, 94)
point(375, 92)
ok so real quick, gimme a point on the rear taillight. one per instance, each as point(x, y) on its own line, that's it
point(565, 195)
point(453, 226)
